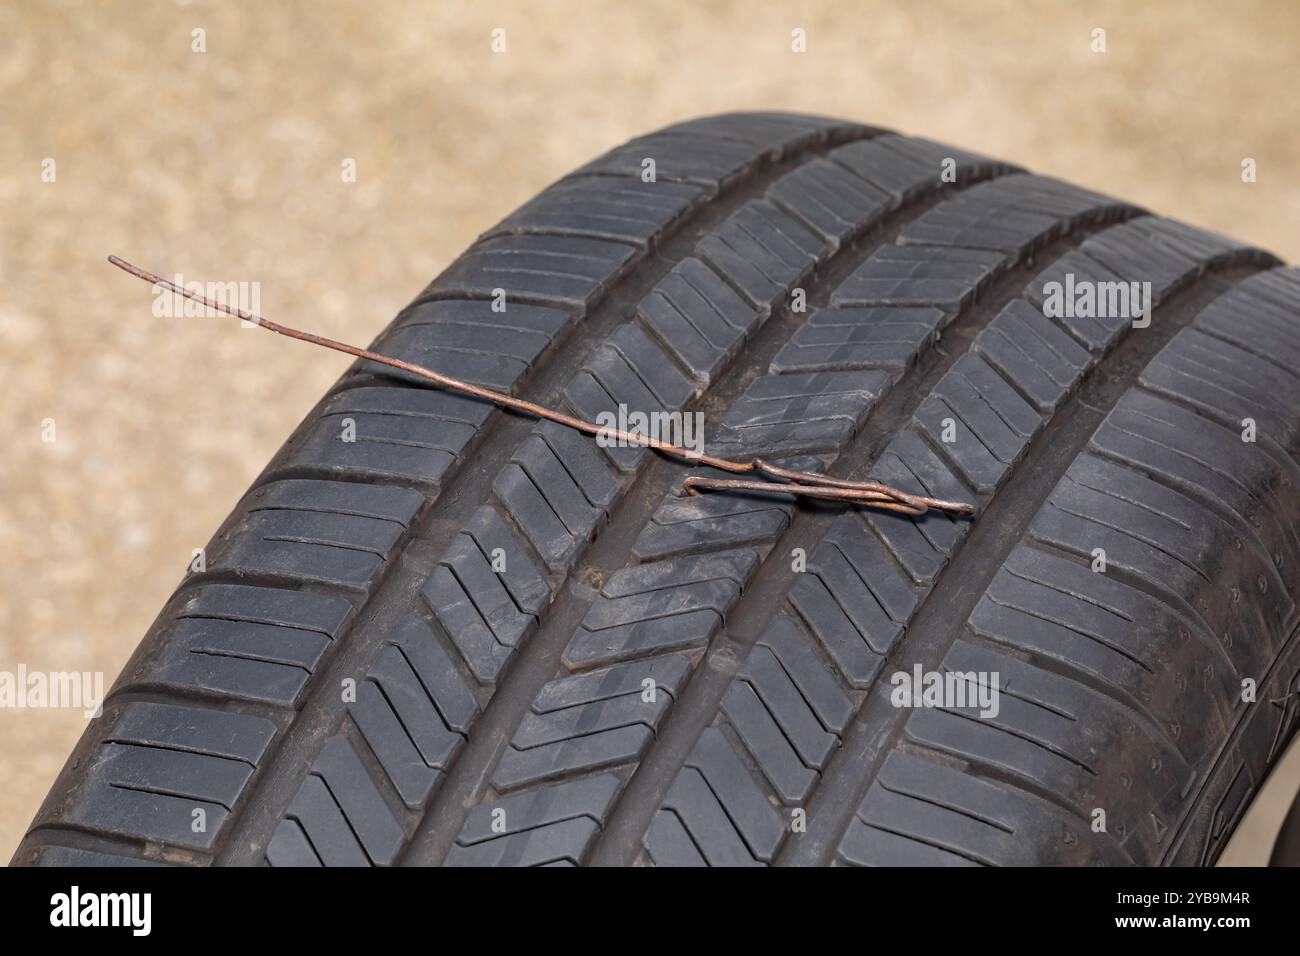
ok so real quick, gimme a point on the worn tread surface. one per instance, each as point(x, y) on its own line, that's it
point(435, 633)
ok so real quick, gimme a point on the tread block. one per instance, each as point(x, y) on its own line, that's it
point(1034, 353)
point(581, 457)
point(414, 720)
point(239, 737)
point(289, 846)
point(340, 814)
point(905, 167)
point(603, 207)
point(774, 753)
point(588, 398)
point(1166, 538)
point(560, 270)
point(159, 764)
point(1013, 215)
point(1278, 287)
point(971, 378)
point(492, 600)
point(849, 545)
point(716, 151)
point(535, 514)
point(844, 339)
point(771, 129)
point(974, 225)
point(833, 576)
point(666, 605)
point(1090, 326)
point(851, 637)
point(67, 856)
point(536, 827)
point(495, 357)
point(919, 276)
point(436, 674)
point(726, 815)
point(1260, 316)
point(669, 843)
point(1062, 737)
point(670, 387)
point(1167, 254)
point(483, 341)
point(531, 322)
point(932, 808)
point(520, 575)
point(1239, 480)
point(331, 532)
point(989, 423)
point(864, 845)
point(1228, 385)
point(413, 434)
point(413, 710)
point(804, 412)
point(599, 718)
point(980, 466)
point(710, 522)
point(317, 824)
point(1113, 636)
point(698, 316)
point(248, 643)
point(711, 162)
point(763, 251)
point(629, 370)
point(476, 605)
point(921, 545)
point(552, 478)
point(786, 647)
point(193, 781)
point(829, 200)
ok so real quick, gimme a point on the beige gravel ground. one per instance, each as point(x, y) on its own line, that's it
point(226, 165)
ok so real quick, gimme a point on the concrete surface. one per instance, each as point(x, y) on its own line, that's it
point(225, 165)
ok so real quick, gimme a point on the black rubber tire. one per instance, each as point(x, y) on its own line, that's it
point(431, 645)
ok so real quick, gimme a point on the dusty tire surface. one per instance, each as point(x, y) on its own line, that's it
point(437, 633)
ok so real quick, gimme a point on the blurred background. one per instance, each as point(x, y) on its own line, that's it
point(225, 165)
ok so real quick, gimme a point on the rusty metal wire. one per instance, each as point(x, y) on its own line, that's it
point(785, 481)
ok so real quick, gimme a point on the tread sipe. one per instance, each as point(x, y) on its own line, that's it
point(469, 638)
